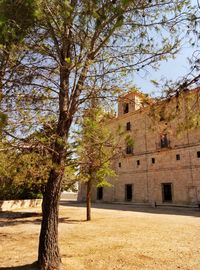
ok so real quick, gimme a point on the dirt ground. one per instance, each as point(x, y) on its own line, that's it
point(119, 237)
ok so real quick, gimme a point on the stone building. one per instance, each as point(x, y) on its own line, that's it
point(162, 165)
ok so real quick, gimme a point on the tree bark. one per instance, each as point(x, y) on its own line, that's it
point(48, 256)
point(88, 200)
point(48, 253)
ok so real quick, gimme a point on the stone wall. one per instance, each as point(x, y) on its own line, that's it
point(150, 179)
point(17, 204)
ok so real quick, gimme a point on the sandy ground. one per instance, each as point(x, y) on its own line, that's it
point(118, 237)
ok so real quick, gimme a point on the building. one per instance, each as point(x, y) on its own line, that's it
point(162, 165)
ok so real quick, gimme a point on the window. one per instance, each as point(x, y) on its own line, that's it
point(198, 154)
point(128, 192)
point(128, 126)
point(164, 142)
point(120, 164)
point(125, 108)
point(153, 160)
point(99, 193)
point(178, 157)
point(138, 162)
point(129, 149)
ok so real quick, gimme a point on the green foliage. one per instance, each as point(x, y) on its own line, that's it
point(129, 141)
point(190, 106)
point(70, 178)
point(96, 148)
point(3, 120)
point(22, 176)
point(24, 173)
point(86, 41)
point(16, 17)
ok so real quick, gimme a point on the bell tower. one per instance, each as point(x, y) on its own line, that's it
point(130, 102)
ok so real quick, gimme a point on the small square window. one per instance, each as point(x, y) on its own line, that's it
point(178, 157)
point(138, 162)
point(198, 154)
point(153, 160)
point(120, 164)
point(128, 126)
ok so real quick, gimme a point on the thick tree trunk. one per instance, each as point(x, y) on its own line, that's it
point(88, 200)
point(48, 256)
point(48, 253)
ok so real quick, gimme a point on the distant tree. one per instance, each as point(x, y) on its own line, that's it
point(22, 175)
point(97, 149)
point(25, 166)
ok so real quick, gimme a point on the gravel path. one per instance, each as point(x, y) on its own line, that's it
point(119, 237)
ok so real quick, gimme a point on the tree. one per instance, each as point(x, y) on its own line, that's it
point(24, 167)
point(23, 175)
point(97, 149)
point(16, 18)
point(73, 46)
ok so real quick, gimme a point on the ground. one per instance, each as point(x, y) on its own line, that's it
point(119, 237)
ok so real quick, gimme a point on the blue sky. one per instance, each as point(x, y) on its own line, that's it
point(173, 69)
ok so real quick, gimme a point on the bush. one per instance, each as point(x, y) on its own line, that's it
point(25, 193)
point(10, 191)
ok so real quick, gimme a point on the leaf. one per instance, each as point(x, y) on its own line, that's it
point(3, 120)
point(68, 60)
point(155, 82)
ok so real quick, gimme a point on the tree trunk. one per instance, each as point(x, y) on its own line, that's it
point(88, 200)
point(48, 253)
point(48, 256)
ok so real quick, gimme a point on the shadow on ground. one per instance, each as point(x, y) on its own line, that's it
point(32, 266)
point(166, 210)
point(10, 218)
point(16, 215)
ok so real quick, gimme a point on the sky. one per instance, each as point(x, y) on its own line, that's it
point(173, 69)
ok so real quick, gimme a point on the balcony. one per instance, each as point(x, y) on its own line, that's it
point(163, 144)
point(129, 150)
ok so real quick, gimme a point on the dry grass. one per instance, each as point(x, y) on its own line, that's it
point(121, 238)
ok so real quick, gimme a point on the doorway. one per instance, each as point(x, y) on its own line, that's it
point(100, 193)
point(128, 192)
point(167, 192)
